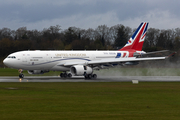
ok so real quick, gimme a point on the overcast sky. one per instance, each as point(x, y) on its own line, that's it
point(39, 14)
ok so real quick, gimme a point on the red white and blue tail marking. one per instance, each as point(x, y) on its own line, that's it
point(137, 39)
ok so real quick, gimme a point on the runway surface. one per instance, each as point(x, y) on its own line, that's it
point(99, 79)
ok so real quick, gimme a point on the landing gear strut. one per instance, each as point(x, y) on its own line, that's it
point(21, 75)
point(65, 75)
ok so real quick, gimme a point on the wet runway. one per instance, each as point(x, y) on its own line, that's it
point(99, 79)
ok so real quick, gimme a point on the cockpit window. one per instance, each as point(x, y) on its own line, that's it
point(13, 57)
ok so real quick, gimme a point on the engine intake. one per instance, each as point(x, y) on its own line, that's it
point(79, 70)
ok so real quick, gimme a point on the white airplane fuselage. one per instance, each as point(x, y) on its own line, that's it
point(54, 60)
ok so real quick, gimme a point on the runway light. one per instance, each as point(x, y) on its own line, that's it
point(20, 80)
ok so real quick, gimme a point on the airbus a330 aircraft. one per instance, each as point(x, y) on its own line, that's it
point(80, 63)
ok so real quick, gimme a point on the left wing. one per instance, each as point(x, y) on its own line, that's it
point(111, 61)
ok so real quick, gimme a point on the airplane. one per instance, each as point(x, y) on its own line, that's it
point(80, 63)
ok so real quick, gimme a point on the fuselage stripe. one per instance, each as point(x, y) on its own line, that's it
point(56, 61)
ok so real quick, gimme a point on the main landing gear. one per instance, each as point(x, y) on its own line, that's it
point(90, 76)
point(65, 75)
point(86, 76)
point(21, 75)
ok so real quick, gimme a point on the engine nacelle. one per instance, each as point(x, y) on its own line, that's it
point(79, 70)
point(37, 71)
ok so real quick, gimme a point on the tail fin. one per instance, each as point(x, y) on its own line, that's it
point(137, 39)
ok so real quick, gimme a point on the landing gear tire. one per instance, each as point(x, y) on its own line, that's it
point(86, 76)
point(21, 75)
point(94, 76)
point(61, 75)
point(90, 76)
point(65, 75)
point(69, 75)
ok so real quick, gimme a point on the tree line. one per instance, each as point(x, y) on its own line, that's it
point(73, 38)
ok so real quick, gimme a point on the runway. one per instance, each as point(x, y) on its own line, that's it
point(99, 79)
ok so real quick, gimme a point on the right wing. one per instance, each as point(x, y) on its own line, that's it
point(150, 53)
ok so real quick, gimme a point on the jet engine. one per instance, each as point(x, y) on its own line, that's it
point(79, 70)
point(37, 71)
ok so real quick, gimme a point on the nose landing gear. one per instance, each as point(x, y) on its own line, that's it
point(21, 75)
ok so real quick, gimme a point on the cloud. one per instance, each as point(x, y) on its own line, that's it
point(88, 14)
point(157, 19)
point(93, 21)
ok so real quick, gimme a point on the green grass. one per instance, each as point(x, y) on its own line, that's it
point(90, 101)
point(121, 71)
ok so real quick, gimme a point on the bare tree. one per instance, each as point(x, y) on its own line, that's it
point(20, 32)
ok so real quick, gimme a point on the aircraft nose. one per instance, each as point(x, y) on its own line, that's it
point(5, 61)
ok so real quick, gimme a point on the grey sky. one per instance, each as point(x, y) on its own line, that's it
point(39, 14)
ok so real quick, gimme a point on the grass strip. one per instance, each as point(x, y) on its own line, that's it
point(79, 101)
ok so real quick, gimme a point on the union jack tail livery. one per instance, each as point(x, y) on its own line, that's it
point(137, 39)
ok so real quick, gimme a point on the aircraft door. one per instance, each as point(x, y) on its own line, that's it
point(48, 57)
point(93, 57)
point(24, 59)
